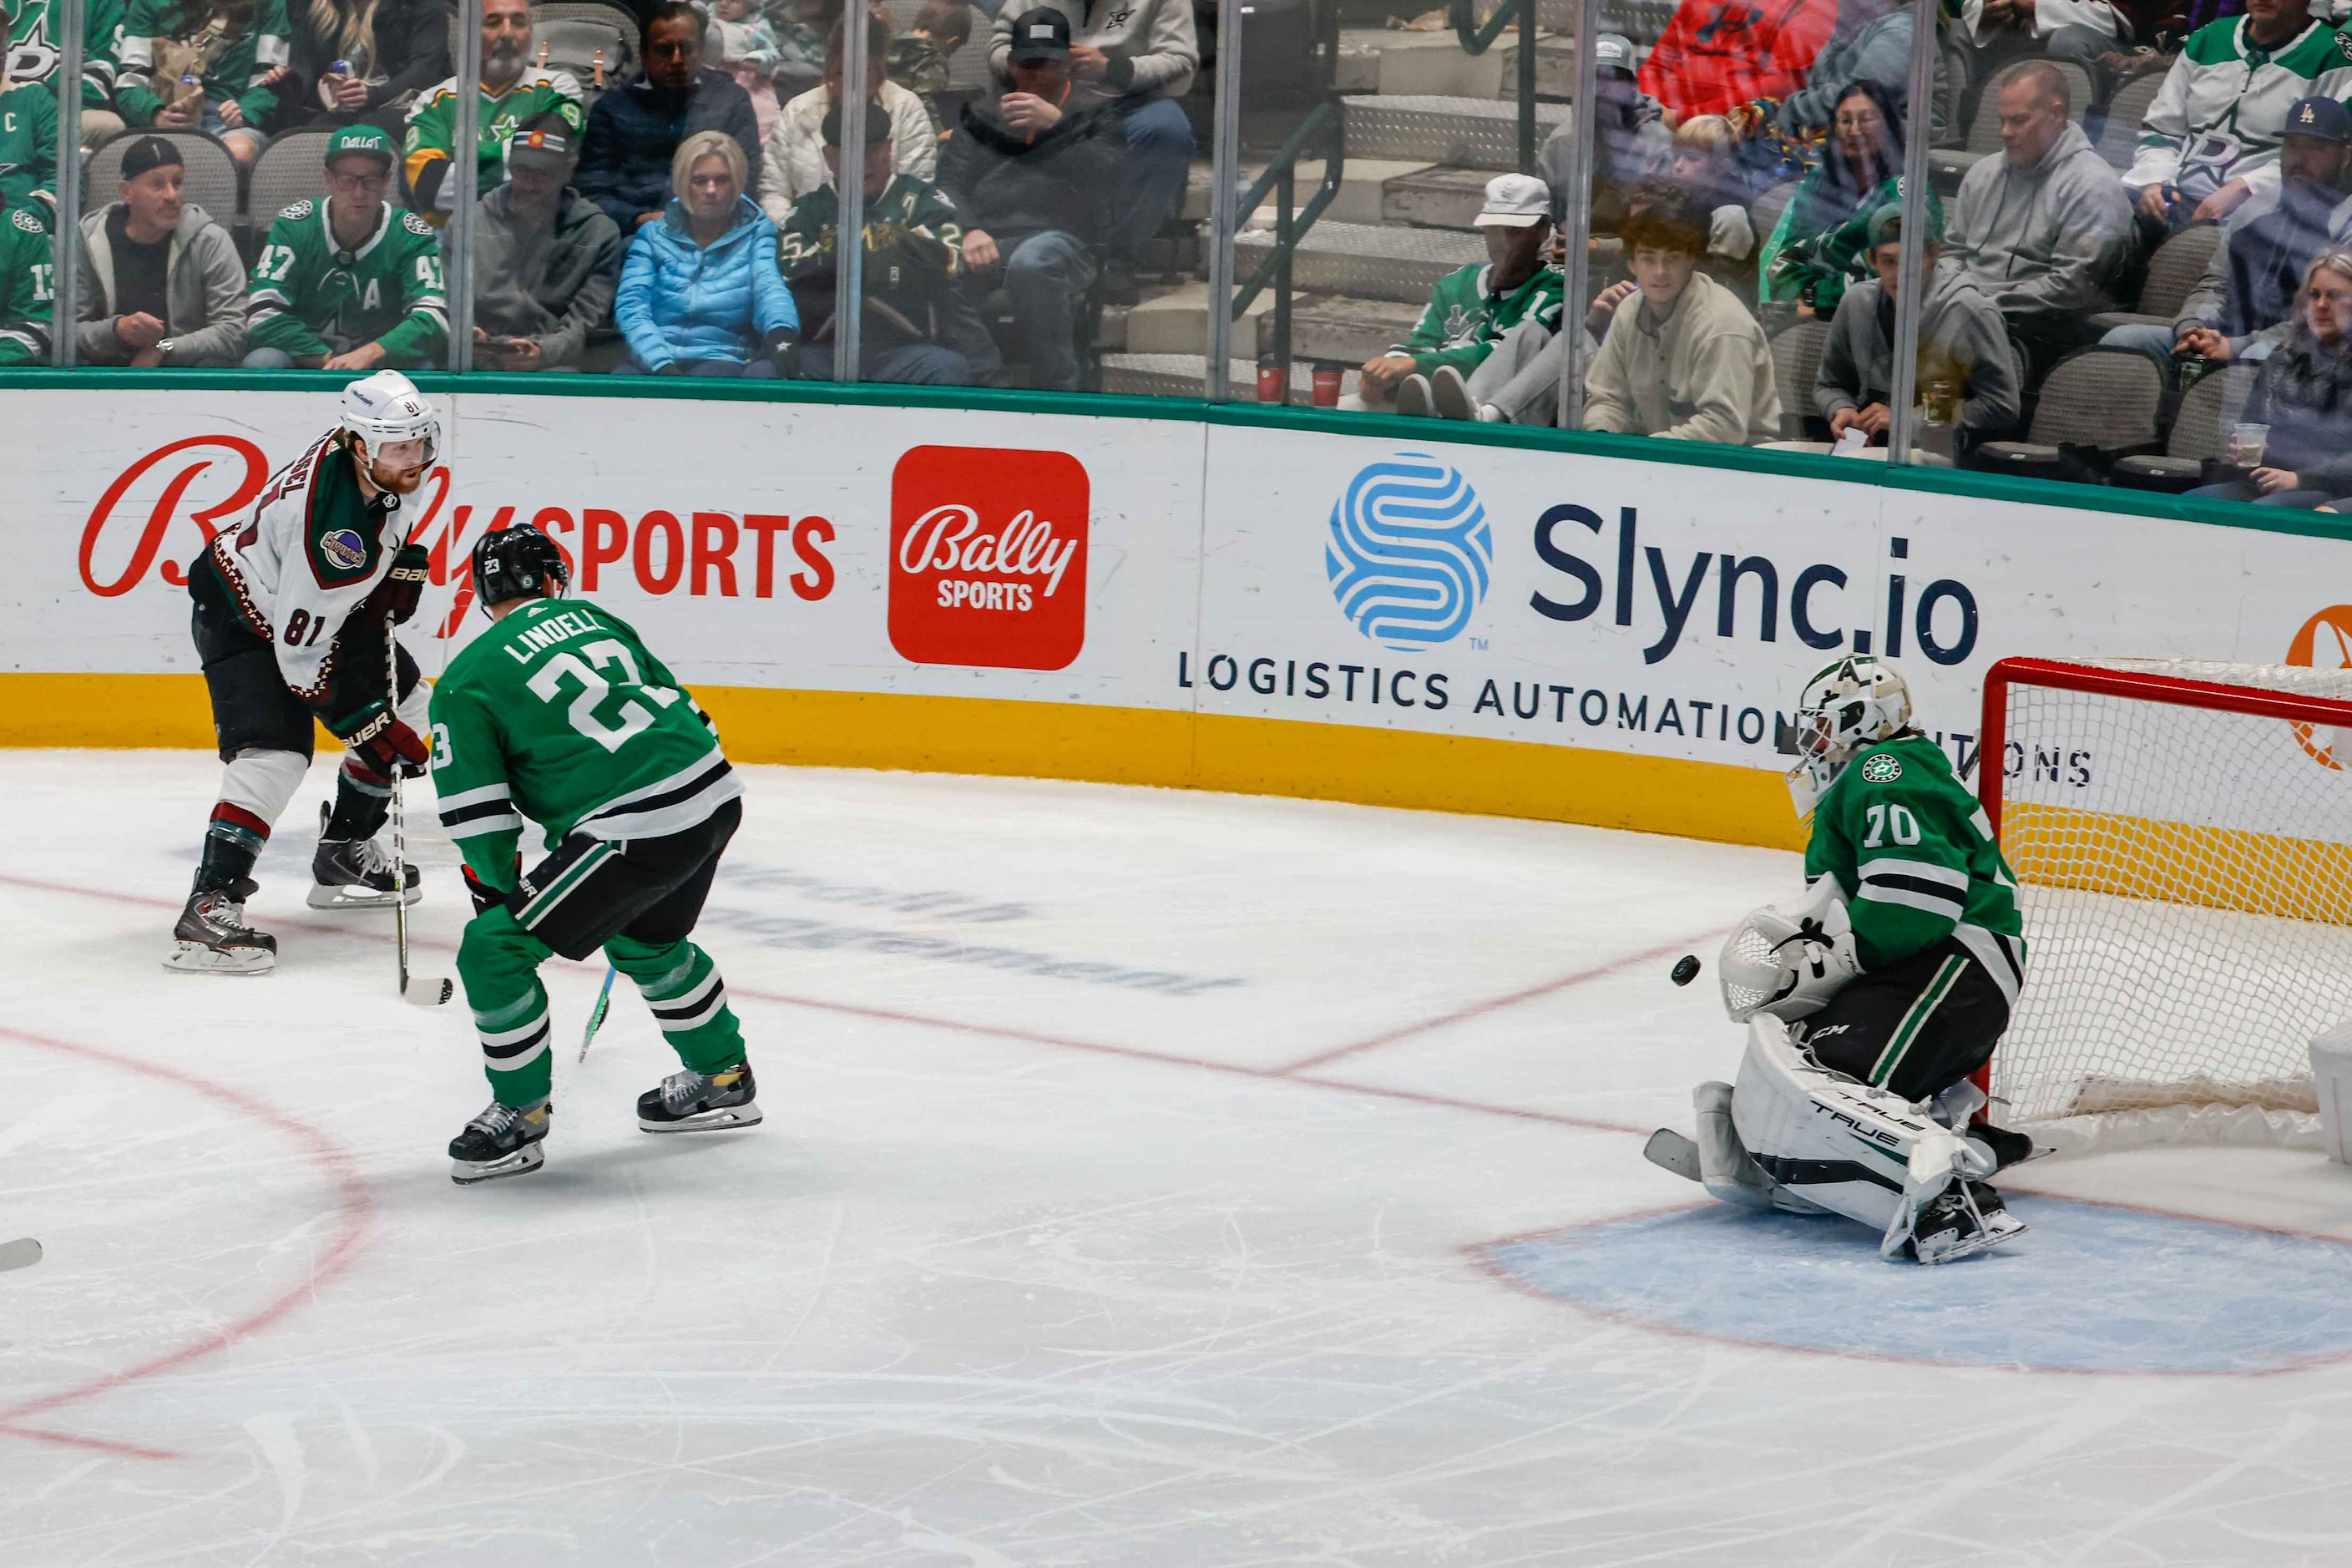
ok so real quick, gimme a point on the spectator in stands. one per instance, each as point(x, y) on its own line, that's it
point(635, 132)
point(2239, 307)
point(1633, 145)
point(920, 57)
point(2210, 139)
point(2044, 228)
point(546, 261)
point(27, 301)
point(801, 26)
point(352, 285)
point(2303, 393)
point(29, 143)
point(236, 53)
point(1470, 311)
point(1716, 54)
point(1138, 57)
point(161, 283)
point(512, 90)
point(1872, 42)
point(1036, 177)
point(1682, 359)
point(1815, 251)
point(1706, 148)
point(795, 162)
point(1966, 376)
point(31, 49)
point(389, 51)
point(741, 42)
point(2000, 31)
point(700, 293)
point(914, 251)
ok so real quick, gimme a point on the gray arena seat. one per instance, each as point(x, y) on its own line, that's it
point(2207, 410)
point(2104, 399)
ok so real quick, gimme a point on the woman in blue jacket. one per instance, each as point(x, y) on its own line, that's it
point(700, 294)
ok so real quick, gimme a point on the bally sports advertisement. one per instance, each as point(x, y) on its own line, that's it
point(1366, 616)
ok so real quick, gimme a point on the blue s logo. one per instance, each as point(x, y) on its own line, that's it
point(1410, 555)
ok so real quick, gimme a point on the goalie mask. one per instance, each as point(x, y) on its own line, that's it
point(1855, 703)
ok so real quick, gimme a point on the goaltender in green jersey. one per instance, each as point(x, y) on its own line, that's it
point(560, 714)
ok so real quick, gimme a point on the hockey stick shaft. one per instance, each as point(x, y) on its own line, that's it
point(597, 1014)
point(399, 818)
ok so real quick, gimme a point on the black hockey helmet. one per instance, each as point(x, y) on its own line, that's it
point(517, 561)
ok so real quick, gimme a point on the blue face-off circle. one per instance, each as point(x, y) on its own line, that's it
point(2088, 1289)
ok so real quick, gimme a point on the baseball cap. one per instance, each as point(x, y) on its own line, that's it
point(2322, 119)
point(148, 152)
point(1886, 224)
point(1613, 51)
point(878, 125)
point(543, 140)
point(1041, 34)
point(1514, 201)
point(368, 139)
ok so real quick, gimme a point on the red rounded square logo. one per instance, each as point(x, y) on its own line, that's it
point(988, 557)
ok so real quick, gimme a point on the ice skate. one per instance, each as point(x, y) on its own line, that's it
point(354, 874)
point(700, 1102)
point(500, 1141)
point(212, 937)
point(1964, 1221)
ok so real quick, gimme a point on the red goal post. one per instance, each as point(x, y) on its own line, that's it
point(2181, 836)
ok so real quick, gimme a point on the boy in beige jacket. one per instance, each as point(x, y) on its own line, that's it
point(1683, 358)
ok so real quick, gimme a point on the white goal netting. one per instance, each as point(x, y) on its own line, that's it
point(2185, 875)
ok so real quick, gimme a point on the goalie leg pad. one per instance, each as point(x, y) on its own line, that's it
point(1841, 1145)
point(1723, 1167)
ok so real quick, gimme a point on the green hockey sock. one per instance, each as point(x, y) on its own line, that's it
point(499, 961)
point(687, 998)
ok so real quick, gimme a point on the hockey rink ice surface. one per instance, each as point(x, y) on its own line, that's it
point(1147, 1178)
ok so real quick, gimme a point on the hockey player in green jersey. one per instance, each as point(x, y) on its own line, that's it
point(1871, 1001)
point(559, 713)
point(513, 91)
point(350, 283)
point(28, 143)
point(27, 284)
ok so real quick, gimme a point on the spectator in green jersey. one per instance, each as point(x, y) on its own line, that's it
point(350, 283)
point(209, 65)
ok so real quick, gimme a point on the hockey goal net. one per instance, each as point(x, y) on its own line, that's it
point(2181, 835)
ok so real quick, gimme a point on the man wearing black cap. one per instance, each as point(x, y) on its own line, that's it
point(161, 283)
point(1036, 177)
point(546, 261)
point(914, 245)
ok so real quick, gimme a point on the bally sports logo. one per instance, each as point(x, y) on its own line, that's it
point(988, 557)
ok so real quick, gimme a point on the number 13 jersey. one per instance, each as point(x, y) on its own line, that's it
point(560, 714)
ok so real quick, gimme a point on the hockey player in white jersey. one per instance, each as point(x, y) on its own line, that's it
point(1870, 1000)
point(289, 623)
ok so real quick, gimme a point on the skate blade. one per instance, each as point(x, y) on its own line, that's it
point(352, 896)
point(521, 1163)
point(195, 958)
point(1670, 1150)
point(1983, 1241)
point(724, 1119)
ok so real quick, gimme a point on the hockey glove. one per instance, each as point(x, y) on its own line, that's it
point(378, 738)
point(403, 590)
point(486, 898)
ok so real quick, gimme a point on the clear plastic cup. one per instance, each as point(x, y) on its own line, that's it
point(2246, 444)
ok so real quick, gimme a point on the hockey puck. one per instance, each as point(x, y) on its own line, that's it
point(1686, 969)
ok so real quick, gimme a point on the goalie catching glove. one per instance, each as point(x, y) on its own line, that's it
point(1788, 961)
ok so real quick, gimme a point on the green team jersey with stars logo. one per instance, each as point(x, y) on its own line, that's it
point(33, 50)
point(433, 127)
point(29, 276)
point(559, 713)
point(28, 143)
point(1916, 857)
point(1464, 319)
point(311, 297)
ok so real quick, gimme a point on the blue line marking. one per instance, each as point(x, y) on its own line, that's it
point(2088, 1289)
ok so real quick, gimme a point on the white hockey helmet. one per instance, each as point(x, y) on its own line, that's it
point(386, 407)
point(1853, 703)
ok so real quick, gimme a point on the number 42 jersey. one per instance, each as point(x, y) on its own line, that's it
point(560, 714)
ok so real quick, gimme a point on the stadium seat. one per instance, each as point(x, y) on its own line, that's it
point(2172, 276)
point(211, 179)
point(2207, 409)
point(2119, 137)
point(2097, 407)
point(289, 169)
point(572, 32)
point(1796, 363)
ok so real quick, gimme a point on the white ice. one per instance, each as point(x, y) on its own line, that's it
point(1024, 1268)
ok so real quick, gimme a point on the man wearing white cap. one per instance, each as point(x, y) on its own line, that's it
point(1470, 310)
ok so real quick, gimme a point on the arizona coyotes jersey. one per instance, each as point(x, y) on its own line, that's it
point(311, 550)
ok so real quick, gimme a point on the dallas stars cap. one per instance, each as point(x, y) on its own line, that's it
point(368, 139)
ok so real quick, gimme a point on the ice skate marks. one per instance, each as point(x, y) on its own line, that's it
point(1409, 554)
point(2093, 1289)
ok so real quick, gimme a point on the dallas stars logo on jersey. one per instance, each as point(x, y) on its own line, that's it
point(33, 54)
point(433, 123)
point(311, 296)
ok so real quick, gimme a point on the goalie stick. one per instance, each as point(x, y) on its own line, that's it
point(21, 1253)
point(423, 990)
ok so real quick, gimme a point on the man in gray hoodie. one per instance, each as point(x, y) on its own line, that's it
point(1967, 377)
point(161, 281)
point(547, 260)
point(2046, 227)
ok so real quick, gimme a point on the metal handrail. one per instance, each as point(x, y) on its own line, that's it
point(1281, 176)
point(1477, 41)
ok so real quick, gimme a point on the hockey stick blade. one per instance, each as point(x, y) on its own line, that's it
point(1670, 1150)
point(21, 1253)
point(597, 1014)
point(429, 990)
